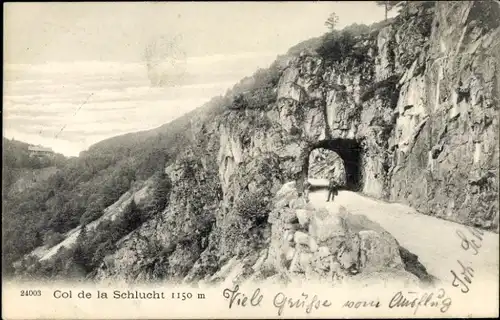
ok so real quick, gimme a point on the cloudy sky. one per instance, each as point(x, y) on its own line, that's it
point(74, 73)
point(40, 32)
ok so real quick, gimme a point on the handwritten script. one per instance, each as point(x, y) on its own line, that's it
point(280, 301)
point(417, 300)
point(240, 299)
point(408, 300)
point(471, 240)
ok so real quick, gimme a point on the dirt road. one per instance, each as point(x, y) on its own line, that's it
point(436, 242)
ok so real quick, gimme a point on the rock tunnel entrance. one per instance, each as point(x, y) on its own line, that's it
point(342, 154)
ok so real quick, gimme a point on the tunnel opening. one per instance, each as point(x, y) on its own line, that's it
point(345, 155)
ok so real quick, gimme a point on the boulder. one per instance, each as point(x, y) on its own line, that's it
point(285, 195)
point(298, 203)
point(324, 226)
point(313, 246)
point(301, 238)
point(378, 252)
point(286, 190)
point(323, 252)
point(303, 216)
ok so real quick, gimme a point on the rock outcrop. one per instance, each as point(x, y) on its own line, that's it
point(336, 248)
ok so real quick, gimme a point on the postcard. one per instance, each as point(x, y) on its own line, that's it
point(264, 160)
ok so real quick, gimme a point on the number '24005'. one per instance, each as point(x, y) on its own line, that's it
point(31, 293)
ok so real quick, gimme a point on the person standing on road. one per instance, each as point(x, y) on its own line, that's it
point(332, 186)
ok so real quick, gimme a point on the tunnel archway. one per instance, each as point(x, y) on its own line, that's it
point(349, 153)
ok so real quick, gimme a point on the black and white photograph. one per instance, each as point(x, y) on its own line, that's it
point(229, 159)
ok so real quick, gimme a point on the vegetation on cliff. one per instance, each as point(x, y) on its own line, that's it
point(84, 186)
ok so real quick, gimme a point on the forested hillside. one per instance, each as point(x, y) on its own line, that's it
point(84, 186)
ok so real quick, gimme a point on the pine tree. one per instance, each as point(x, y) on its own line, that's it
point(82, 237)
point(332, 21)
point(132, 217)
point(161, 192)
point(388, 5)
point(80, 255)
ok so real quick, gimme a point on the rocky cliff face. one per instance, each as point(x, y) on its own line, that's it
point(453, 104)
point(416, 100)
